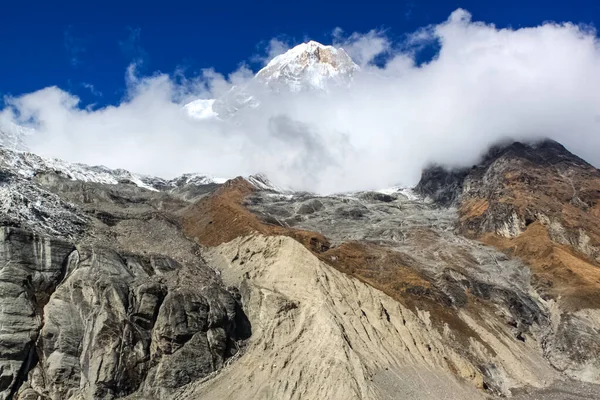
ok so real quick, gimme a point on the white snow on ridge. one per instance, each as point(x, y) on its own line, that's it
point(13, 136)
point(27, 165)
point(260, 181)
point(407, 192)
point(194, 179)
point(389, 191)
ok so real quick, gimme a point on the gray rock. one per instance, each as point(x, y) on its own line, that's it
point(31, 267)
point(309, 207)
point(119, 303)
point(117, 325)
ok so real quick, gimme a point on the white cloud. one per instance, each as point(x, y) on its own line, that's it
point(92, 89)
point(485, 84)
point(275, 48)
point(363, 48)
point(267, 50)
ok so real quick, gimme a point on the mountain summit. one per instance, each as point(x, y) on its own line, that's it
point(309, 65)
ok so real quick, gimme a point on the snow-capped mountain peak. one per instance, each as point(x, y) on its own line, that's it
point(261, 182)
point(310, 65)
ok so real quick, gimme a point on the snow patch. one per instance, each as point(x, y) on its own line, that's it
point(406, 192)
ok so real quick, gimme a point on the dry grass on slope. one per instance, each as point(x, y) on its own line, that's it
point(221, 217)
point(557, 206)
point(559, 272)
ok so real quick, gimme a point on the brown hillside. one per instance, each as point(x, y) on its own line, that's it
point(540, 204)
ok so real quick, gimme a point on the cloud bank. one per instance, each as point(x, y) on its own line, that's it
point(484, 85)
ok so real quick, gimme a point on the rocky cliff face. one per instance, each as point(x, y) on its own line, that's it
point(119, 323)
point(95, 304)
point(32, 268)
point(481, 283)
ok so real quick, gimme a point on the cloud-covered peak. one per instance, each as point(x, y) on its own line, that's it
point(200, 109)
point(307, 67)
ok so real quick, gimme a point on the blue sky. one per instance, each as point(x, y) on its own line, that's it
point(84, 48)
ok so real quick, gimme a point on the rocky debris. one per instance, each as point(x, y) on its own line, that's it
point(442, 186)
point(574, 348)
point(309, 207)
point(386, 198)
point(24, 204)
point(369, 345)
point(559, 390)
point(409, 250)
